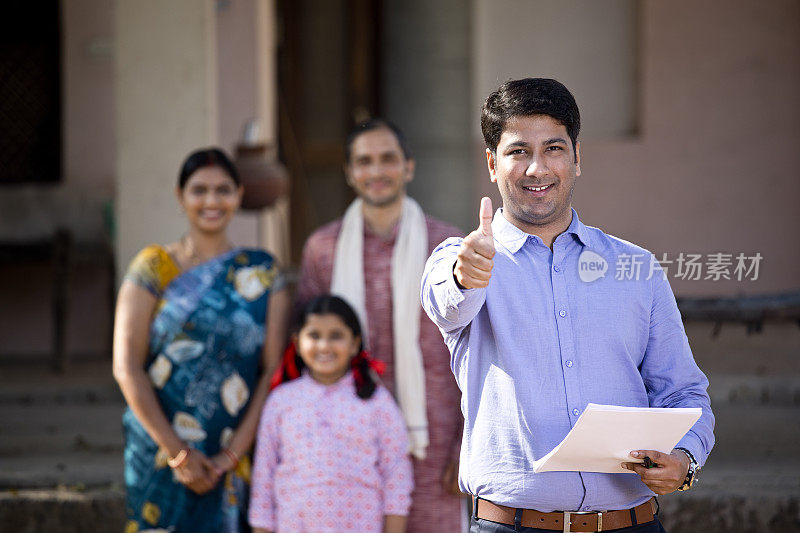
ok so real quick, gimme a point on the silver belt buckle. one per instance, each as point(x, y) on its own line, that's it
point(568, 519)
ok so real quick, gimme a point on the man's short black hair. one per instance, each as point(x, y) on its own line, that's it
point(526, 97)
point(375, 124)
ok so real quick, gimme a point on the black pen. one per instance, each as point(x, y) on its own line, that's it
point(648, 463)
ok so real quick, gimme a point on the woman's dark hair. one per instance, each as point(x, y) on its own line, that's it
point(333, 305)
point(526, 97)
point(207, 157)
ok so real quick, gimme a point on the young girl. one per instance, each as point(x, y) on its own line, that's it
point(331, 449)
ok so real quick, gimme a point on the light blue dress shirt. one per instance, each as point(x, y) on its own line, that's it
point(550, 334)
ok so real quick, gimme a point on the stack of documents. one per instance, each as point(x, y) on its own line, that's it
point(604, 436)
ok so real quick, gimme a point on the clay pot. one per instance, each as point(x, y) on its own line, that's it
point(264, 178)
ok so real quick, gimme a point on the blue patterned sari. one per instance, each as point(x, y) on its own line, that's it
point(206, 339)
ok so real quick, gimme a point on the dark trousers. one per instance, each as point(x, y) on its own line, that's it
point(480, 525)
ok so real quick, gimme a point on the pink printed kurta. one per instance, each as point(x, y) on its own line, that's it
point(430, 503)
point(327, 461)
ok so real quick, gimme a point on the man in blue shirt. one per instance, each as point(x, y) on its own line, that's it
point(538, 326)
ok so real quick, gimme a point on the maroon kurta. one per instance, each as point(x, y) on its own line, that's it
point(430, 504)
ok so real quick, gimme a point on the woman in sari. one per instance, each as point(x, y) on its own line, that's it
point(199, 326)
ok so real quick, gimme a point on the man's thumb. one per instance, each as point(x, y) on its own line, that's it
point(485, 226)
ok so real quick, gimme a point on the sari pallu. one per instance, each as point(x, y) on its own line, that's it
point(206, 338)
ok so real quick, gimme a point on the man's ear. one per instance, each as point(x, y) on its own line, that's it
point(491, 160)
point(411, 165)
point(346, 170)
point(577, 158)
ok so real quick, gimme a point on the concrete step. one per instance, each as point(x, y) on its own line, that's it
point(756, 432)
point(33, 382)
point(86, 469)
point(712, 513)
point(59, 429)
point(737, 496)
point(751, 482)
point(42, 427)
point(61, 453)
point(70, 393)
point(63, 510)
point(728, 498)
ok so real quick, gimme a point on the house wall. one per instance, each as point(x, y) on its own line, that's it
point(79, 202)
point(425, 69)
point(143, 84)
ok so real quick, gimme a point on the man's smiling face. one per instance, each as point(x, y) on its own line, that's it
point(378, 169)
point(535, 168)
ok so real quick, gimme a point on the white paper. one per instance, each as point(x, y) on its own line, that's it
point(604, 436)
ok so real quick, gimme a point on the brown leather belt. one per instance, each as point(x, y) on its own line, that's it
point(568, 520)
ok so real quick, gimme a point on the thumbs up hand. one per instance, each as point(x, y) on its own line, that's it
point(474, 262)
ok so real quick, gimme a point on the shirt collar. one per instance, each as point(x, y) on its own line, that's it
point(346, 381)
point(579, 229)
point(513, 238)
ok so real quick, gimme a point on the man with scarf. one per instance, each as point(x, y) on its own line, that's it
point(374, 257)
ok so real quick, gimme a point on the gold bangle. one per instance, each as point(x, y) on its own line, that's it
point(180, 458)
point(232, 456)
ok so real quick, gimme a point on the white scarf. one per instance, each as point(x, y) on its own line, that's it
point(408, 261)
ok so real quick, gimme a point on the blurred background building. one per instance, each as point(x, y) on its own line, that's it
point(691, 123)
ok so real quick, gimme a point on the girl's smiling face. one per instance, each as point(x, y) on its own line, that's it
point(327, 345)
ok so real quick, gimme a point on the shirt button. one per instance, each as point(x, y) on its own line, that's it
point(556, 268)
point(575, 412)
point(569, 364)
point(562, 313)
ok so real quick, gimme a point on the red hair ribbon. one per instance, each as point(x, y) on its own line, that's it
point(287, 369)
point(379, 367)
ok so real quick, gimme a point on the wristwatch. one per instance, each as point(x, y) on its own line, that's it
point(691, 474)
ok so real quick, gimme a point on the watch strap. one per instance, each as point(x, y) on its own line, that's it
point(691, 472)
point(688, 454)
